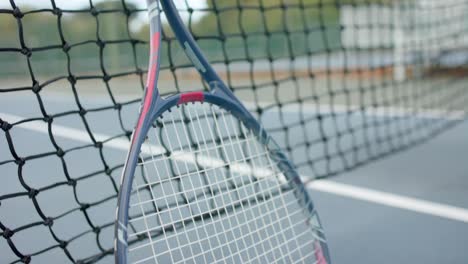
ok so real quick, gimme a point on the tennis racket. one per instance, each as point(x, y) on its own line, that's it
point(203, 182)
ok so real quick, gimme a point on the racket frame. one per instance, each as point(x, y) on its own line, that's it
point(153, 106)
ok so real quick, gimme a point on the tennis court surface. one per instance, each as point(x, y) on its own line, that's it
point(414, 203)
point(368, 99)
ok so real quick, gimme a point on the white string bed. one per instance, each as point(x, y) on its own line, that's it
point(221, 199)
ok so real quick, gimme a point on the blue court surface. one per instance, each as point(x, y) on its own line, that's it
point(408, 208)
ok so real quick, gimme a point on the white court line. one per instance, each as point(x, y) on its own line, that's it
point(340, 189)
point(66, 132)
point(391, 200)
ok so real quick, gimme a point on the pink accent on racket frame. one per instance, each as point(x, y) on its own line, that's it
point(319, 253)
point(191, 97)
point(155, 39)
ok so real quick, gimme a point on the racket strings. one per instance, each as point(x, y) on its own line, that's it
point(255, 165)
point(207, 163)
point(269, 161)
point(239, 202)
point(210, 192)
point(258, 230)
point(212, 214)
point(243, 236)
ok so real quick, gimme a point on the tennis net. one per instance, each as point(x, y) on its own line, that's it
point(338, 84)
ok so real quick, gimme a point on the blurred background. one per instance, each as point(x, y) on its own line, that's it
point(339, 85)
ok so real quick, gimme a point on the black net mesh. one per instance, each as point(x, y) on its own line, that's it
point(337, 83)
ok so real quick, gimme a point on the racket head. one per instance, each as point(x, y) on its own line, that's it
point(203, 181)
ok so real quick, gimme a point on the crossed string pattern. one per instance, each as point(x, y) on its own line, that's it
point(213, 193)
point(338, 102)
